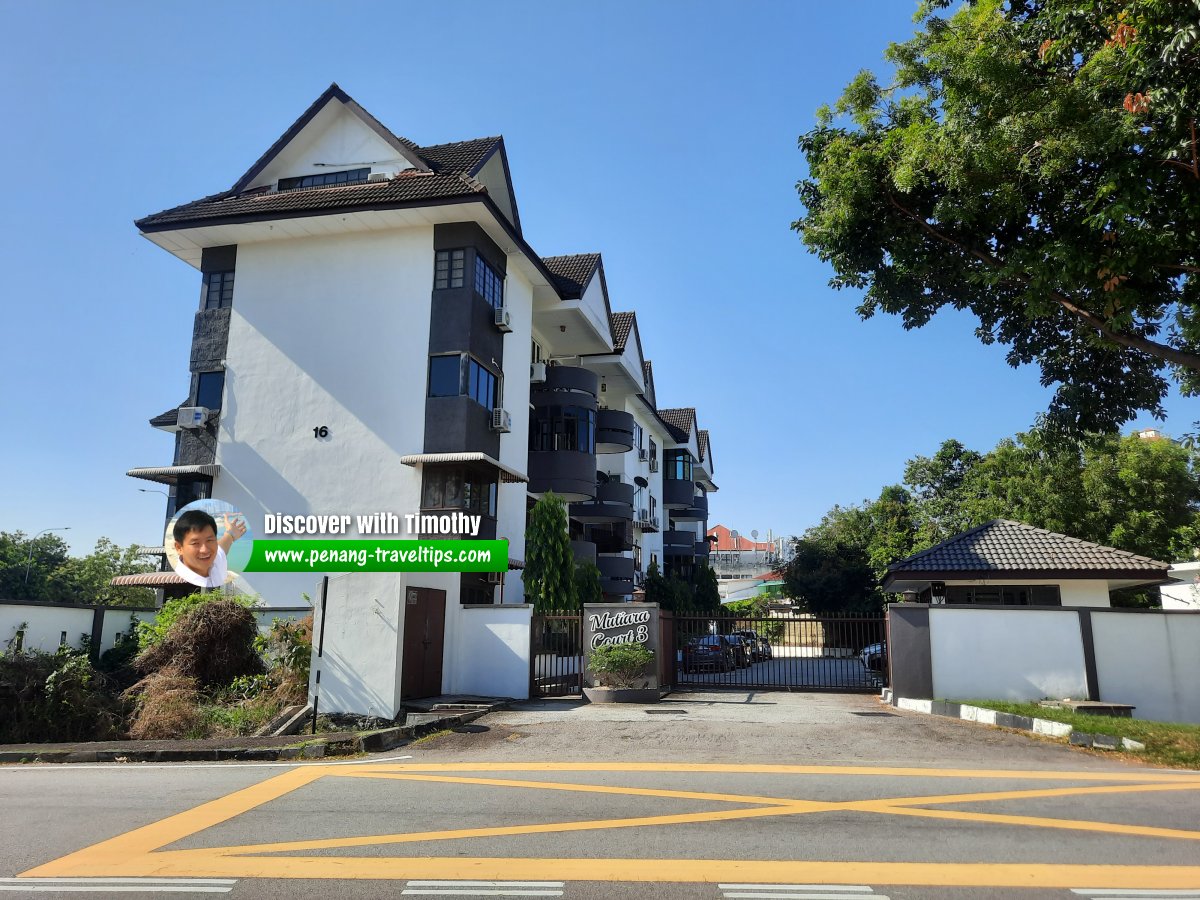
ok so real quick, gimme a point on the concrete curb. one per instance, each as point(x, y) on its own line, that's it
point(315, 747)
point(1045, 727)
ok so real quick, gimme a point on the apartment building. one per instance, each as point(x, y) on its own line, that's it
point(374, 333)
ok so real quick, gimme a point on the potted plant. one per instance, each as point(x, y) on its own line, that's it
point(624, 674)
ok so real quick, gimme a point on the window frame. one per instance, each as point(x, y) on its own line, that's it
point(324, 179)
point(223, 290)
point(471, 372)
point(455, 275)
point(488, 282)
point(218, 375)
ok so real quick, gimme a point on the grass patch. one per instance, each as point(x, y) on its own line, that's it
point(1167, 743)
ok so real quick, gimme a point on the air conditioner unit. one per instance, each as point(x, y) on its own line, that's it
point(654, 521)
point(654, 465)
point(501, 420)
point(192, 416)
point(643, 455)
point(495, 577)
point(537, 372)
point(502, 319)
point(378, 176)
point(643, 515)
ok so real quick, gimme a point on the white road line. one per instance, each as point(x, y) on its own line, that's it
point(856, 888)
point(113, 888)
point(479, 892)
point(118, 881)
point(1128, 894)
point(806, 895)
point(536, 884)
point(138, 767)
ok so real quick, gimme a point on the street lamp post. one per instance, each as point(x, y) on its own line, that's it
point(29, 560)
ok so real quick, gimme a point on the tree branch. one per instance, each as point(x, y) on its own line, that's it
point(1131, 341)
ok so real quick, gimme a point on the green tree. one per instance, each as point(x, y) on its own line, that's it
point(831, 577)
point(708, 594)
point(26, 564)
point(1035, 162)
point(549, 574)
point(88, 579)
point(941, 486)
point(587, 584)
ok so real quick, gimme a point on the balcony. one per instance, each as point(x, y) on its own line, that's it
point(677, 494)
point(564, 379)
point(703, 548)
point(569, 473)
point(613, 537)
point(616, 575)
point(613, 503)
point(614, 431)
point(696, 511)
point(679, 543)
point(584, 552)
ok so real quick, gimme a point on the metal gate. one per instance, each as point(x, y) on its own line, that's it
point(845, 652)
point(555, 654)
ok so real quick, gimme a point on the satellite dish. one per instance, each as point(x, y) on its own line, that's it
point(640, 481)
point(754, 534)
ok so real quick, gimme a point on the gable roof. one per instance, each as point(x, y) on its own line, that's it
point(681, 420)
point(622, 325)
point(648, 379)
point(572, 273)
point(1005, 546)
point(702, 436)
point(439, 173)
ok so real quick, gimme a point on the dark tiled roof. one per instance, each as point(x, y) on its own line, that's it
point(572, 273)
point(1004, 545)
point(703, 436)
point(461, 156)
point(408, 187)
point(648, 378)
point(168, 418)
point(681, 419)
point(622, 324)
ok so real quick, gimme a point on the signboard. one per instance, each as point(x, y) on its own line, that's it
point(620, 623)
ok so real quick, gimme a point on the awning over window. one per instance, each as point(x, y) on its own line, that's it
point(507, 475)
point(515, 563)
point(172, 474)
point(147, 579)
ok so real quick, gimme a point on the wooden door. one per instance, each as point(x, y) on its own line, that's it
point(424, 632)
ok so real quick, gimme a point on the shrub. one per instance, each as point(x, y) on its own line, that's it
point(166, 706)
point(213, 643)
point(621, 665)
point(152, 633)
point(55, 697)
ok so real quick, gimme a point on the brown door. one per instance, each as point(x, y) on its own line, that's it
point(424, 631)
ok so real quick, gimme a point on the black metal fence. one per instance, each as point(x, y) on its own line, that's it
point(845, 652)
point(556, 654)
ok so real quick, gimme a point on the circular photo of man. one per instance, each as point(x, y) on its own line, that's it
point(208, 543)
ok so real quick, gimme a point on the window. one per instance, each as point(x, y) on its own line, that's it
point(653, 449)
point(535, 353)
point(637, 437)
point(448, 269)
point(1005, 595)
point(488, 283)
point(190, 491)
point(458, 374)
point(62, 639)
point(458, 488)
point(218, 290)
point(563, 428)
point(209, 388)
point(677, 465)
point(325, 179)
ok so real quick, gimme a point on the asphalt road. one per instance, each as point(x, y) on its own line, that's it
point(742, 796)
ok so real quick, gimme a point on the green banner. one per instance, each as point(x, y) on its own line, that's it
point(378, 556)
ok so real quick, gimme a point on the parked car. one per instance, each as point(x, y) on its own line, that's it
point(760, 646)
point(711, 652)
point(743, 652)
point(874, 656)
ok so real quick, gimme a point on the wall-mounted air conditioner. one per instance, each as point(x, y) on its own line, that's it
point(502, 320)
point(192, 416)
point(643, 455)
point(537, 372)
point(654, 465)
point(501, 420)
point(495, 577)
point(643, 515)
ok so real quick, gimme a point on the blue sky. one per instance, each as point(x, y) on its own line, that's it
point(661, 134)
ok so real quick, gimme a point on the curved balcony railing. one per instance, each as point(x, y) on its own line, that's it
point(677, 494)
point(569, 473)
point(564, 379)
point(583, 551)
point(613, 503)
point(614, 431)
point(616, 575)
point(703, 549)
point(679, 543)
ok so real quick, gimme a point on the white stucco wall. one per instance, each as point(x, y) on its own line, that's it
point(43, 626)
point(491, 652)
point(333, 332)
point(1006, 654)
point(514, 446)
point(1186, 594)
point(1150, 660)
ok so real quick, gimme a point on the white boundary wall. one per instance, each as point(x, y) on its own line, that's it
point(490, 654)
point(1146, 658)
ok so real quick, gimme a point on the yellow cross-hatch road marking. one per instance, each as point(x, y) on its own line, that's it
point(142, 852)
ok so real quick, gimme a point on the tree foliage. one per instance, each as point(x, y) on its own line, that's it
point(53, 574)
point(549, 574)
point(1034, 162)
point(587, 584)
